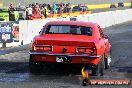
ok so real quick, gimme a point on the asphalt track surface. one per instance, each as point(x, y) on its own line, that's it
point(14, 68)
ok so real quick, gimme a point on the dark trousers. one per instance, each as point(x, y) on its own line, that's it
point(11, 17)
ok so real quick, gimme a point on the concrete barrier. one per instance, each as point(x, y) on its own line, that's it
point(106, 19)
point(31, 28)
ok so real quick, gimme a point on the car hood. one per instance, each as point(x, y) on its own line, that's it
point(64, 39)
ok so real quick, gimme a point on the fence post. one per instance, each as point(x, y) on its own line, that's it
point(4, 45)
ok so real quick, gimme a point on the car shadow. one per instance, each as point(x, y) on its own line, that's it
point(19, 72)
point(48, 69)
point(62, 69)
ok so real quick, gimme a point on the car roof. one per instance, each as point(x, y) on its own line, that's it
point(78, 23)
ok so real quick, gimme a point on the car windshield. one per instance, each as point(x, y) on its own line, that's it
point(68, 29)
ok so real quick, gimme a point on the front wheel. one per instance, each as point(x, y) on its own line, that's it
point(35, 67)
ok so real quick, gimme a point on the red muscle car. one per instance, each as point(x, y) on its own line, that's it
point(71, 42)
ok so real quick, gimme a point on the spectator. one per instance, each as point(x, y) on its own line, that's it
point(33, 5)
point(35, 10)
point(54, 9)
point(29, 11)
point(66, 9)
point(43, 5)
point(69, 8)
point(46, 12)
point(26, 13)
point(62, 7)
point(59, 10)
point(42, 10)
point(38, 8)
point(11, 13)
point(49, 8)
point(37, 5)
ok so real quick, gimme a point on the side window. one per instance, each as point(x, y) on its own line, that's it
point(86, 30)
point(101, 32)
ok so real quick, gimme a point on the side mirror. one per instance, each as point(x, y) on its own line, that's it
point(106, 36)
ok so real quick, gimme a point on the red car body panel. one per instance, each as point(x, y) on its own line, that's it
point(97, 42)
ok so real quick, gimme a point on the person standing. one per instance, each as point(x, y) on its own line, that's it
point(42, 10)
point(29, 11)
point(49, 8)
point(54, 8)
point(35, 11)
point(11, 13)
point(46, 12)
point(68, 8)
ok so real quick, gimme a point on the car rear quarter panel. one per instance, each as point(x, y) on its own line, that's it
point(99, 43)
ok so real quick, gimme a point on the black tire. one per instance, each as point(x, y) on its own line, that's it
point(106, 63)
point(35, 67)
point(112, 6)
point(99, 69)
point(84, 82)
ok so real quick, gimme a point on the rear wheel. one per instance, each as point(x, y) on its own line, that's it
point(86, 82)
point(35, 67)
point(99, 69)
